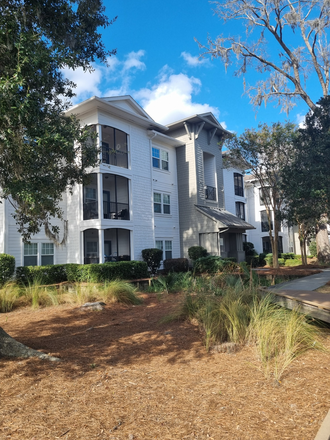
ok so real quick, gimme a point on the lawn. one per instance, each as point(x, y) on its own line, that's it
point(126, 374)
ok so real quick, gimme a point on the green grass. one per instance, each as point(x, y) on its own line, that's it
point(120, 292)
point(9, 295)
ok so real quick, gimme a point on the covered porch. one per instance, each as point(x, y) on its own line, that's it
point(106, 245)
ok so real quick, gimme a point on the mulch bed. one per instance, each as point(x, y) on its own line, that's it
point(295, 271)
point(124, 375)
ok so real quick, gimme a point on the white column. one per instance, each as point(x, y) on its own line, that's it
point(101, 245)
point(100, 195)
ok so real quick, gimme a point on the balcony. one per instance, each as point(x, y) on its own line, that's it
point(210, 193)
point(115, 211)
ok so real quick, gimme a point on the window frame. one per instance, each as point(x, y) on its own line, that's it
point(166, 246)
point(238, 184)
point(239, 213)
point(112, 150)
point(39, 252)
point(164, 205)
point(160, 160)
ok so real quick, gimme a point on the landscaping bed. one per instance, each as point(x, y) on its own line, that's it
point(125, 375)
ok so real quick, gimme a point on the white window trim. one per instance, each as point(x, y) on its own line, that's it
point(39, 243)
point(162, 213)
point(160, 159)
point(163, 240)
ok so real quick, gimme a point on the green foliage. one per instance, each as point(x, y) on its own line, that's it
point(210, 264)
point(53, 274)
point(38, 40)
point(269, 259)
point(118, 291)
point(7, 268)
point(252, 260)
point(312, 248)
point(294, 262)
point(153, 258)
point(281, 261)
point(248, 248)
point(262, 260)
point(9, 294)
point(176, 264)
point(196, 252)
point(287, 255)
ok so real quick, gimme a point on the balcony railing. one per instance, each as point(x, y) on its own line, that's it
point(90, 210)
point(210, 193)
point(115, 211)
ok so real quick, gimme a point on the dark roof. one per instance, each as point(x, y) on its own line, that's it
point(225, 218)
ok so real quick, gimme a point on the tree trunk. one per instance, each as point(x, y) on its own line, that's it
point(322, 241)
point(9, 347)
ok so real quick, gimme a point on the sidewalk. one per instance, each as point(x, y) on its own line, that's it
point(311, 282)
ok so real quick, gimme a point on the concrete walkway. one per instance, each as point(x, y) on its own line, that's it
point(311, 282)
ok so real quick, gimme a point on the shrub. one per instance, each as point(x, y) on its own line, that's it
point(287, 255)
point(252, 260)
point(7, 268)
point(262, 260)
point(196, 252)
point(210, 264)
point(269, 259)
point(153, 258)
point(51, 274)
point(281, 261)
point(125, 270)
point(249, 250)
point(176, 264)
point(312, 248)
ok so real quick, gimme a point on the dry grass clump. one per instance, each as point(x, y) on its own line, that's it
point(120, 292)
point(242, 316)
point(9, 295)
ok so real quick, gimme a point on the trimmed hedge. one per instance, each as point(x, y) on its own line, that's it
point(196, 252)
point(213, 264)
point(124, 270)
point(153, 258)
point(7, 268)
point(176, 264)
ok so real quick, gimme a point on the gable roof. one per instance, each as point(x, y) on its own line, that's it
point(210, 122)
point(122, 106)
point(224, 218)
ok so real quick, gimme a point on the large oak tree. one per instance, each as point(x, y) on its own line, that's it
point(43, 152)
point(286, 42)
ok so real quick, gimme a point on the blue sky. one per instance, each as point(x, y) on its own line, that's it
point(158, 64)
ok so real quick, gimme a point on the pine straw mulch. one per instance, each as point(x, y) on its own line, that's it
point(124, 375)
point(294, 271)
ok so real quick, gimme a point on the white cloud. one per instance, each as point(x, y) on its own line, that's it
point(301, 120)
point(87, 82)
point(133, 61)
point(194, 61)
point(171, 99)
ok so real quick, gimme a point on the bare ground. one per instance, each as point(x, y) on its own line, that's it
point(124, 375)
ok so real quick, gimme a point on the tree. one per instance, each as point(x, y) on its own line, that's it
point(306, 180)
point(41, 148)
point(43, 152)
point(298, 30)
point(265, 152)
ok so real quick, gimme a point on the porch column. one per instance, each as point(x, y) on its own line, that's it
point(101, 245)
point(100, 195)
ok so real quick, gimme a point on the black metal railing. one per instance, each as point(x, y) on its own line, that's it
point(115, 211)
point(90, 210)
point(210, 193)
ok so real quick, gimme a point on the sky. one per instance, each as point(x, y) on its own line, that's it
point(158, 63)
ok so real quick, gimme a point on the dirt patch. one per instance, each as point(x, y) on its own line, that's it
point(124, 375)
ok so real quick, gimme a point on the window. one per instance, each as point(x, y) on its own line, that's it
point(115, 197)
point(160, 159)
point(114, 147)
point(240, 210)
point(90, 203)
point(32, 252)
point(167, 244)
point(47, 254)
point(267, 247)
point(162, 204)
point(264, 196)
point(238, 183)
point(264, 221)
point(168, 249)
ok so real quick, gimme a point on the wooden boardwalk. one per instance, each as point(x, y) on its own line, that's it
point(314, 304)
